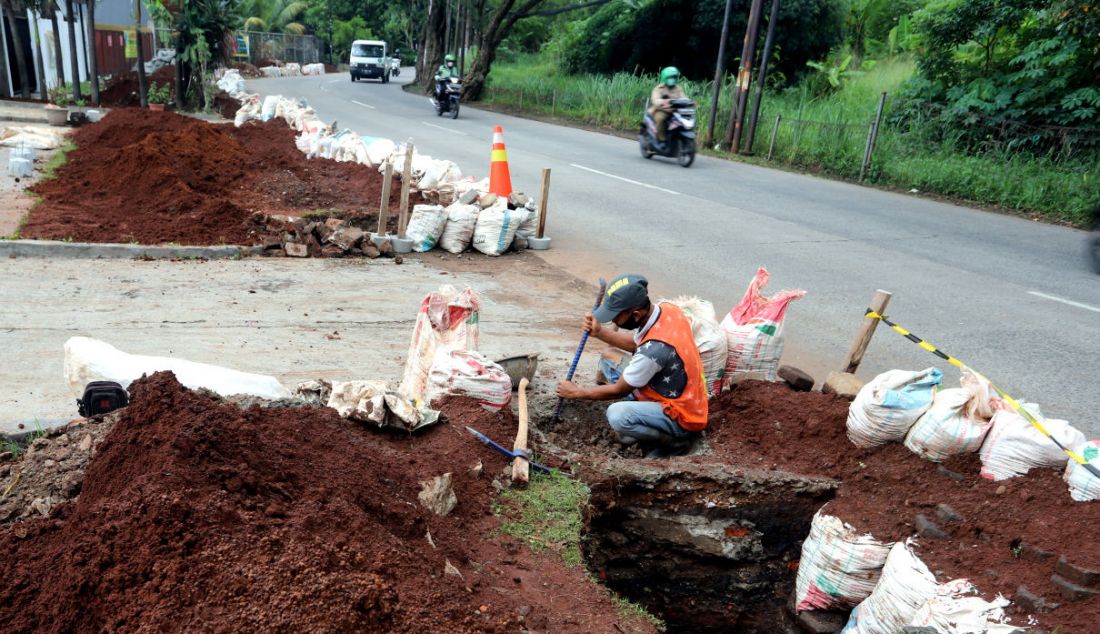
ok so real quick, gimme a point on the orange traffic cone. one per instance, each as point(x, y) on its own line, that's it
point(500, 181)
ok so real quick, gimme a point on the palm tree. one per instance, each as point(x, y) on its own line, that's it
point(278, 16)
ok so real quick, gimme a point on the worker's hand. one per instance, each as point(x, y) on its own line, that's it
point(569, 390)
point(591, 325)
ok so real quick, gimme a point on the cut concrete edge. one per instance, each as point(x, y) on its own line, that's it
point(58, 249)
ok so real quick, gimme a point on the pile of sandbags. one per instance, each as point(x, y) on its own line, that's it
point(1014, 446)
point(231, 82)
point(839, 566)
point(956, 423)
point(313, 69)
point(887, 407)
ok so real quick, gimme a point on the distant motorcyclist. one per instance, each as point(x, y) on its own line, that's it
point(660, 100)
point(446, 72)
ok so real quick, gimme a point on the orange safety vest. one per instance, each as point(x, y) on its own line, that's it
point(689, 409)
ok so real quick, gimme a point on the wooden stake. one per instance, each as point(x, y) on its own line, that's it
point(384, 206)
point(544, 197)
point(866, 331)
point(520, 467)
point(406, 177)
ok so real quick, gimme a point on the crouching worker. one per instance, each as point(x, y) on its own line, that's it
point(664, 404)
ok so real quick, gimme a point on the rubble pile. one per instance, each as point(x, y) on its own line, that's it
point(193, 511)
point(121, 91)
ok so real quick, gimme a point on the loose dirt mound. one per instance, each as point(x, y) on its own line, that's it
point(769, 426)
point(199, 515)
point(154, 177)
point(123, 91)
point(248, 71)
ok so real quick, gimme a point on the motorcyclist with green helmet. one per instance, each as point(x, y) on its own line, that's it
point(446, 72)
point(660, 100)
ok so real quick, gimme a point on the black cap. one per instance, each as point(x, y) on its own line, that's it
point(625, 292)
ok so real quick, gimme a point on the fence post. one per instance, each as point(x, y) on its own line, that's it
point(775, 133)
point(872, 135)
point(865, 332)
point(406, 177)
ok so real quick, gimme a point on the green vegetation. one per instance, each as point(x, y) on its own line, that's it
point(49, 170)
point(630, 610)
point(991, 101)
point(546, 515)
point(18, 447)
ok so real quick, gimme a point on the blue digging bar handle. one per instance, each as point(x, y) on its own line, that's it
point(580, 349)
point(519, 453)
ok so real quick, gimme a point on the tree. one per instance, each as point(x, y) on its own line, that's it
point(52, 8)
point(278, 16)
point(70, 19)
point(490, 37)
point(91, 53)
point(204, 37)
point(345, 32)
point(143, 86)
point(10, 7)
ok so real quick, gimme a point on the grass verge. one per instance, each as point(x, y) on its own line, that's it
point(824, 135)
point(17, 447)
point(547, 516)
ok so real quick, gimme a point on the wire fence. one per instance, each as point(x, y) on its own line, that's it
point(260, 48)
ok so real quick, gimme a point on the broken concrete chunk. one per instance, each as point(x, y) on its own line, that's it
point(798, 380)
point(437, 495)
point(468, 197)
point(1033, 603)
point(948, 515)
point(818, 622)
point(334, 223)
point(346, 237)
point(1077, 574)
point(518, 199)
point(332, 251)
point(371, 251)
point(296, 250)
point(1031, 552)
point(272, 243)
point(1071, 591)
point(842, 384)
point(927, 528)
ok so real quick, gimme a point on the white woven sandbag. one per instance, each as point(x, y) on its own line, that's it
point(839, 567)
point(459, 230)
point(956, 423)
point(379, 151)
point(496, 228)
point(954, 609)
point(88, 360)
point(446, 318)
point(468, 373)
point(359, 400)
point(903, 587)
point(267, 110)
point(425, 226)
point(291, 69)
point(754, 329)
point(1083, 486)
point(709, 338)
point(530, 227)
point(887, 406)
point(1014, 446)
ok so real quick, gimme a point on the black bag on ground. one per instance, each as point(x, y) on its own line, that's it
point(101, 397)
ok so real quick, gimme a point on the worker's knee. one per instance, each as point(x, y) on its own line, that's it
point(618, 416)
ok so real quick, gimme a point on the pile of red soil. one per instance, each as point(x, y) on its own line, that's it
point(155, 177)
point(329, 68)
point(123, 90)
point(198, 515)
point(225, 105)
point(767, 425)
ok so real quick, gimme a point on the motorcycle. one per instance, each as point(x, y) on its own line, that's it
point(679, 139)
point(395, 67)
point(452, 94)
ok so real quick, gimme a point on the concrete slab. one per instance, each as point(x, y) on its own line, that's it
point(274, 316)
point(61, 249)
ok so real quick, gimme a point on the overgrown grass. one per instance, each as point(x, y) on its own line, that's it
point(825, 134)
point(546, 515)
point(630, 610)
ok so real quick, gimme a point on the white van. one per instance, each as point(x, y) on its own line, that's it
point(369, 59)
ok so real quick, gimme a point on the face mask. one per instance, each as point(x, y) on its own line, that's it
point(670, 82)
point(450, 64)
point(632, 323)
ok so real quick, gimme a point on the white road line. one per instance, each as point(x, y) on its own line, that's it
point(625, 180)
point(439, 127)
point(360, 103)
point(1065, 301)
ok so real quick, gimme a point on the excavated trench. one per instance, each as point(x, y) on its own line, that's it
point(707, 546)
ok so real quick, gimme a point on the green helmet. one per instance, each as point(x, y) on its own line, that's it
point(448, 58)
point(670, 75)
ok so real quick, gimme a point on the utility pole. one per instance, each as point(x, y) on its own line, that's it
point(719, 74)
point(744, 77)
point(763, 76)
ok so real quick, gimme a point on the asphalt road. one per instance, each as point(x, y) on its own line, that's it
point(1011, 297)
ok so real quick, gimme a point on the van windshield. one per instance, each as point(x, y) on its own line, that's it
point(367, 50)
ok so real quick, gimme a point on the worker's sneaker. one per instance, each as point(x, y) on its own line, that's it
point(673, 447)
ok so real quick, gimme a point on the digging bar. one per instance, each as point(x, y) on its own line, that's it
point(580, 349)
point(519, 453)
